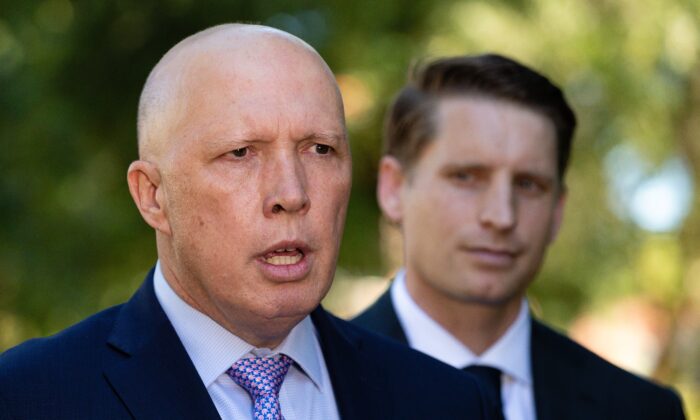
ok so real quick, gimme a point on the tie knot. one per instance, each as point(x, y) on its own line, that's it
point(491, 375)
point(261, 376)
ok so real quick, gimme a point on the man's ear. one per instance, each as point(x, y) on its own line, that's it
point(558, 215)
point(144, 185)
point(389, 183)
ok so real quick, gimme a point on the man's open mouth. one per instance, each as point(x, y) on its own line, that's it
point(284, 256)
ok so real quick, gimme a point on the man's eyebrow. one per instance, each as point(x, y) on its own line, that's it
point(247, 137)
point(230, 141)
point(536, 174)
point(462, 166)
point(328, 136)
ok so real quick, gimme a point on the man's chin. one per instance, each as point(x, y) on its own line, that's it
point(487, 294)
point(289, 310)
point(492, 299)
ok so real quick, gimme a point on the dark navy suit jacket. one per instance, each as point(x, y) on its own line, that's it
point(128, 362)
point(570, 382)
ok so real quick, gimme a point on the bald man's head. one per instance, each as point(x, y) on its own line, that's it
point(244, 174)
point(171, 86)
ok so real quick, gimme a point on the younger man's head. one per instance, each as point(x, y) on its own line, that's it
point(476, 148)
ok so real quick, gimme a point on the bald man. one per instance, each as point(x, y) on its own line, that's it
point(244, 174)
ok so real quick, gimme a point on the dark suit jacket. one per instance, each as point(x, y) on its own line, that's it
point(570, 382)
point(128, 362)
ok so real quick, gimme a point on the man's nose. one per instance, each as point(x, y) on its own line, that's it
point(287, 187)
point(498, 206)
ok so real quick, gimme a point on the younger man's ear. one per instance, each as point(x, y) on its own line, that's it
point(145, 188)
point(389, 182)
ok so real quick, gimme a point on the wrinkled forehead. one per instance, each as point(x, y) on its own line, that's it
point(230, 66)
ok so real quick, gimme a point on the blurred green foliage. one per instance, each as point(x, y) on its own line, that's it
point(71, 72)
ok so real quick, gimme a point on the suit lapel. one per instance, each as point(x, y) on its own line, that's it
point(561, 385)
point(154, 376)
point(381, 317)
point(357, 385)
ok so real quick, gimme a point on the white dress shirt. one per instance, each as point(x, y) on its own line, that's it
point(306, 393)
point(510, 354)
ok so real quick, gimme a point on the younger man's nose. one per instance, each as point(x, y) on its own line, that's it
point(497, 209)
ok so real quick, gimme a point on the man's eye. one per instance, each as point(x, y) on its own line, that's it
point(528, 184)
point(462, 176)
point(239, 153)
point(323, 149)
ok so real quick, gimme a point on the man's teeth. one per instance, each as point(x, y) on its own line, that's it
point(284, 259)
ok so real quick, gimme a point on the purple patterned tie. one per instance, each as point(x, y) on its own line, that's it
point(262, 377)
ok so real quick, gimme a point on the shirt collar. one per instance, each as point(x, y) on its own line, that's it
point(510, 354)
point(213, 349)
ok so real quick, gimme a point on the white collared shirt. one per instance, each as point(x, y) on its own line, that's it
point(306, 392)
point(510, 354)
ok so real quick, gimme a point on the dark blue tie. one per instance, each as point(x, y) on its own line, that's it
point(491, 378)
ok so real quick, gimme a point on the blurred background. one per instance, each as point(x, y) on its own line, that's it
point(623, 277)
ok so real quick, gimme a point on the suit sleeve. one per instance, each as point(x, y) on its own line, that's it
point(678, 412)
point(4, 411)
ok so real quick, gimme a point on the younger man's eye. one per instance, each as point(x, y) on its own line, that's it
point(463, 176)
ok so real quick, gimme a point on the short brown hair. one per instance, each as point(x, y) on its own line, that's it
point(409, 124)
